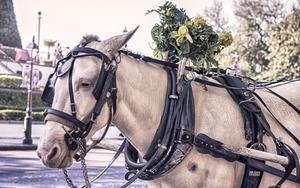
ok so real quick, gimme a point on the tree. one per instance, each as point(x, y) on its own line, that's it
point(9, 33)
point(284, 48)
point(216, 17)
point(89, 38)
point(266, 40)
point(256, 17)
point(49, 43)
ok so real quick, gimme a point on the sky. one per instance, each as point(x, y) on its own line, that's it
point(68, 20)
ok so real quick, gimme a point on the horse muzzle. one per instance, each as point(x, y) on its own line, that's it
point(52, 149)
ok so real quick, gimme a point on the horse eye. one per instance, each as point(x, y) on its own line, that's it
point(85, 84)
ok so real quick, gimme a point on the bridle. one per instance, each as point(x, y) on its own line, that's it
point(104, 91)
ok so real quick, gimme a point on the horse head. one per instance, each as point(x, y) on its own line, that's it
point(74, 99)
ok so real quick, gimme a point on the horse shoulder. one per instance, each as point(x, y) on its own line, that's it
point(211, 118)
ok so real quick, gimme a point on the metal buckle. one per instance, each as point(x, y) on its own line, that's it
point(189, 76)
point(93, 118)
point(112, 66)
point(184, 136)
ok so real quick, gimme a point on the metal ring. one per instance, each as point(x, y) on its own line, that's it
point(258, 145)
point(173, 97)
point(162, 146)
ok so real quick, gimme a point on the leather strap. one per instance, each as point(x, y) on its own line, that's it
point(284, 99)
point(279, 123)
point(71, 91)
point(269, 169)
point(64, 119)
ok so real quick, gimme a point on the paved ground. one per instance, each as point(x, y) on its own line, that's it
point(23, 169)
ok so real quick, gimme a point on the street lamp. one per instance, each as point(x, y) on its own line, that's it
point(28, 117)
point(39, 27)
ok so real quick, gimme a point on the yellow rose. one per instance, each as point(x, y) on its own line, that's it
point(170, 12)
point(183, 31)
point(199, 22)
point(225, 38)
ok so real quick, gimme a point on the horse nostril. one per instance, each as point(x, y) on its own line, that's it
point(39, 154)
point(53, 152)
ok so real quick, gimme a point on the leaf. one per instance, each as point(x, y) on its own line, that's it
point(174, 34)
point(188, 36)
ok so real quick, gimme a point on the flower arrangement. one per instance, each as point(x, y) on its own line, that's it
point(189, 38)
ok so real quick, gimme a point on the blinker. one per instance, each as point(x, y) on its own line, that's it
point(48, 93)
point(64, 67)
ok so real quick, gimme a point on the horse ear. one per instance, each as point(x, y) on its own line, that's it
point(112, 45)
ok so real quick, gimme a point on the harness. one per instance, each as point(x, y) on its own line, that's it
point(175, 137)
point(256, 126)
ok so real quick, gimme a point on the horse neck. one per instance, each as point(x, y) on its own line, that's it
point(141, 97)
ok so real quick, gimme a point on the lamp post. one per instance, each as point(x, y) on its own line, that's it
point(39, 27)
point(28, 117)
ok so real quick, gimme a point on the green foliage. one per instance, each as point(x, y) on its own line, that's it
point(9, 33)
point(13, 105)
point(13, 101)
point(171, 18)
point(10, 81)
point(284, 49)
point(266, 43)
point(19, 115)
point(188, 38)
point(22, 108)
point(10, 52)
point(19, 99)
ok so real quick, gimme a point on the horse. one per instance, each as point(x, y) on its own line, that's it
point(141, 95)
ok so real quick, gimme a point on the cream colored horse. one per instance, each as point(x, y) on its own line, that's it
point(140, 103)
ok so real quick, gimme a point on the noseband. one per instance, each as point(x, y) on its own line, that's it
point(105, 90)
